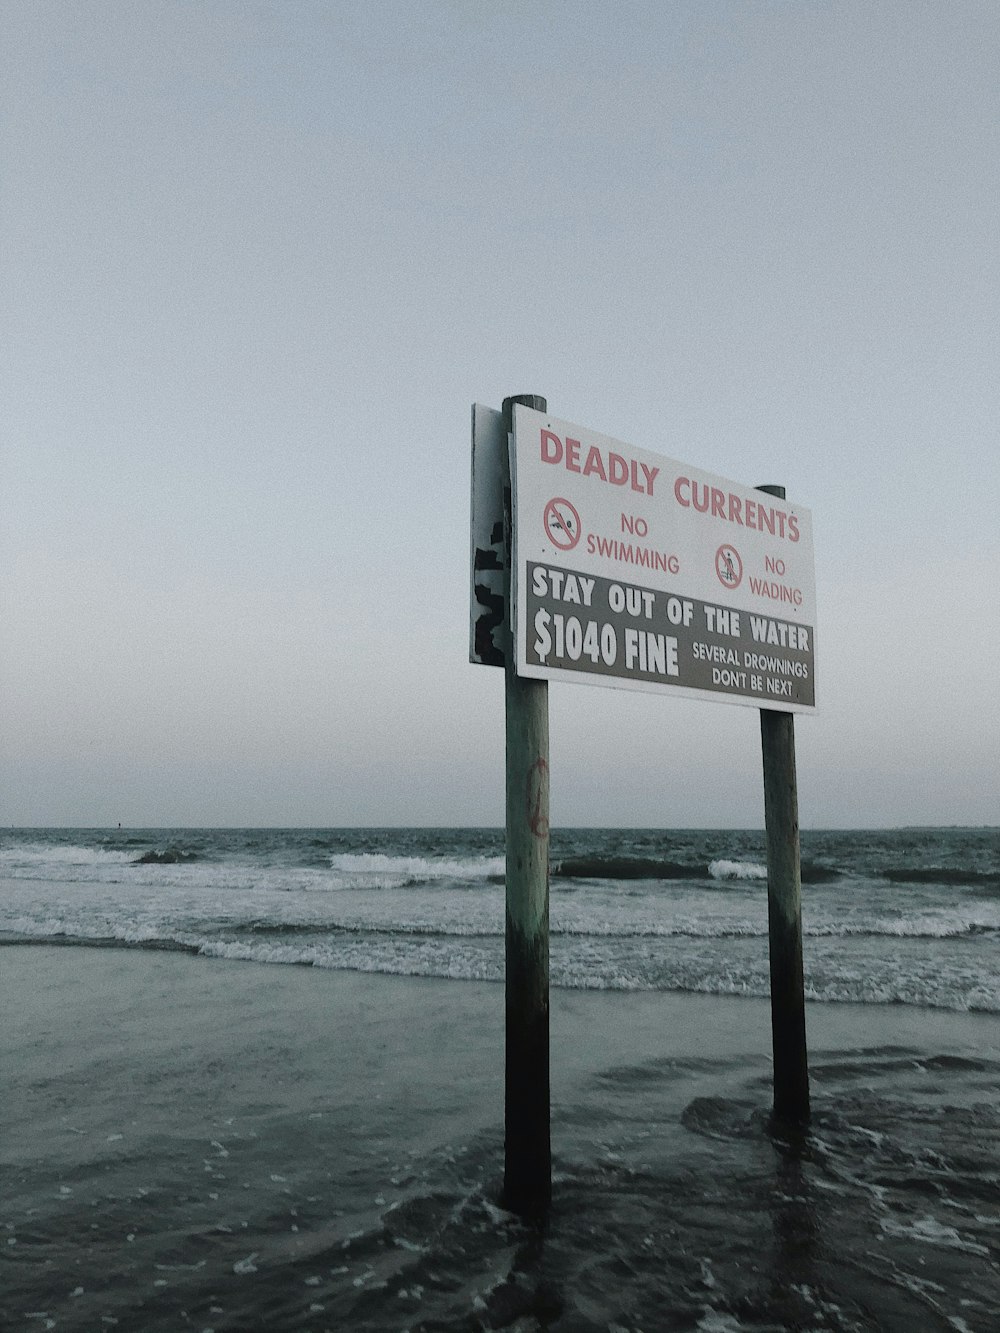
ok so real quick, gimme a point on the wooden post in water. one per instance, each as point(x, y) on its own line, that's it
point(784, 910)
point(527, 1185)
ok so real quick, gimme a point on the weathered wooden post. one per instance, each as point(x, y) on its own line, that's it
point(784, 909)
point(527, 1187)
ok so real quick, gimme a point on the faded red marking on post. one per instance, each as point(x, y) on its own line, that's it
point(538, 798)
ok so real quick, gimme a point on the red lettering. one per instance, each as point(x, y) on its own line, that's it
point(617, 470)
point(572, 454)
point(552, 449)
point(595, 463)
point(707, 499)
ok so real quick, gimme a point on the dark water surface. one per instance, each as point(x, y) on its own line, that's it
point(196, 1144)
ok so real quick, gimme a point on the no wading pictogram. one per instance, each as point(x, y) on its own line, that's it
point(562, 524)
point(729, 566)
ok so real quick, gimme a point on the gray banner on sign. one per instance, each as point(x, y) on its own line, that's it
point(608, 627)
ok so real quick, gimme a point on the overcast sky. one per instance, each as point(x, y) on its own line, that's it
point(260, 258)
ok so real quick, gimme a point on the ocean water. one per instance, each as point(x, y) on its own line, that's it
point(271, 1099)
point(908, 916)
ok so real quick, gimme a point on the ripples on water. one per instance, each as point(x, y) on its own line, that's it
point(881, 1216)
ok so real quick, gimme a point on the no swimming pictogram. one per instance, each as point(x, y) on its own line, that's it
point(562, 524)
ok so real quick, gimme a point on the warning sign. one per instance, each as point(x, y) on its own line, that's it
point(633, 570)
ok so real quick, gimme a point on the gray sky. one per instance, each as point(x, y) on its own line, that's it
point(260, 258)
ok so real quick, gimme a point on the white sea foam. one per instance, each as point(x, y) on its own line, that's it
point(736, 870)
point(28, 854)
point(375, 870)
point(932, 1231)
point(715, 1321)
point(43, 861)
point(932, 924)
point(427, 905)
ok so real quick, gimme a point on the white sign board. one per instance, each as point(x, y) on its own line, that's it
point(633, 570)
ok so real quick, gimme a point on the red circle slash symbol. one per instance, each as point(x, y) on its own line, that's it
point(562, 524)
point(729, 566)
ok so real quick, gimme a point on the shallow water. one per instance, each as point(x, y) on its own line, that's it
point(230, 1147)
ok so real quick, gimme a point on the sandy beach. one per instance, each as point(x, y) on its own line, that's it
point(206, 1144)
